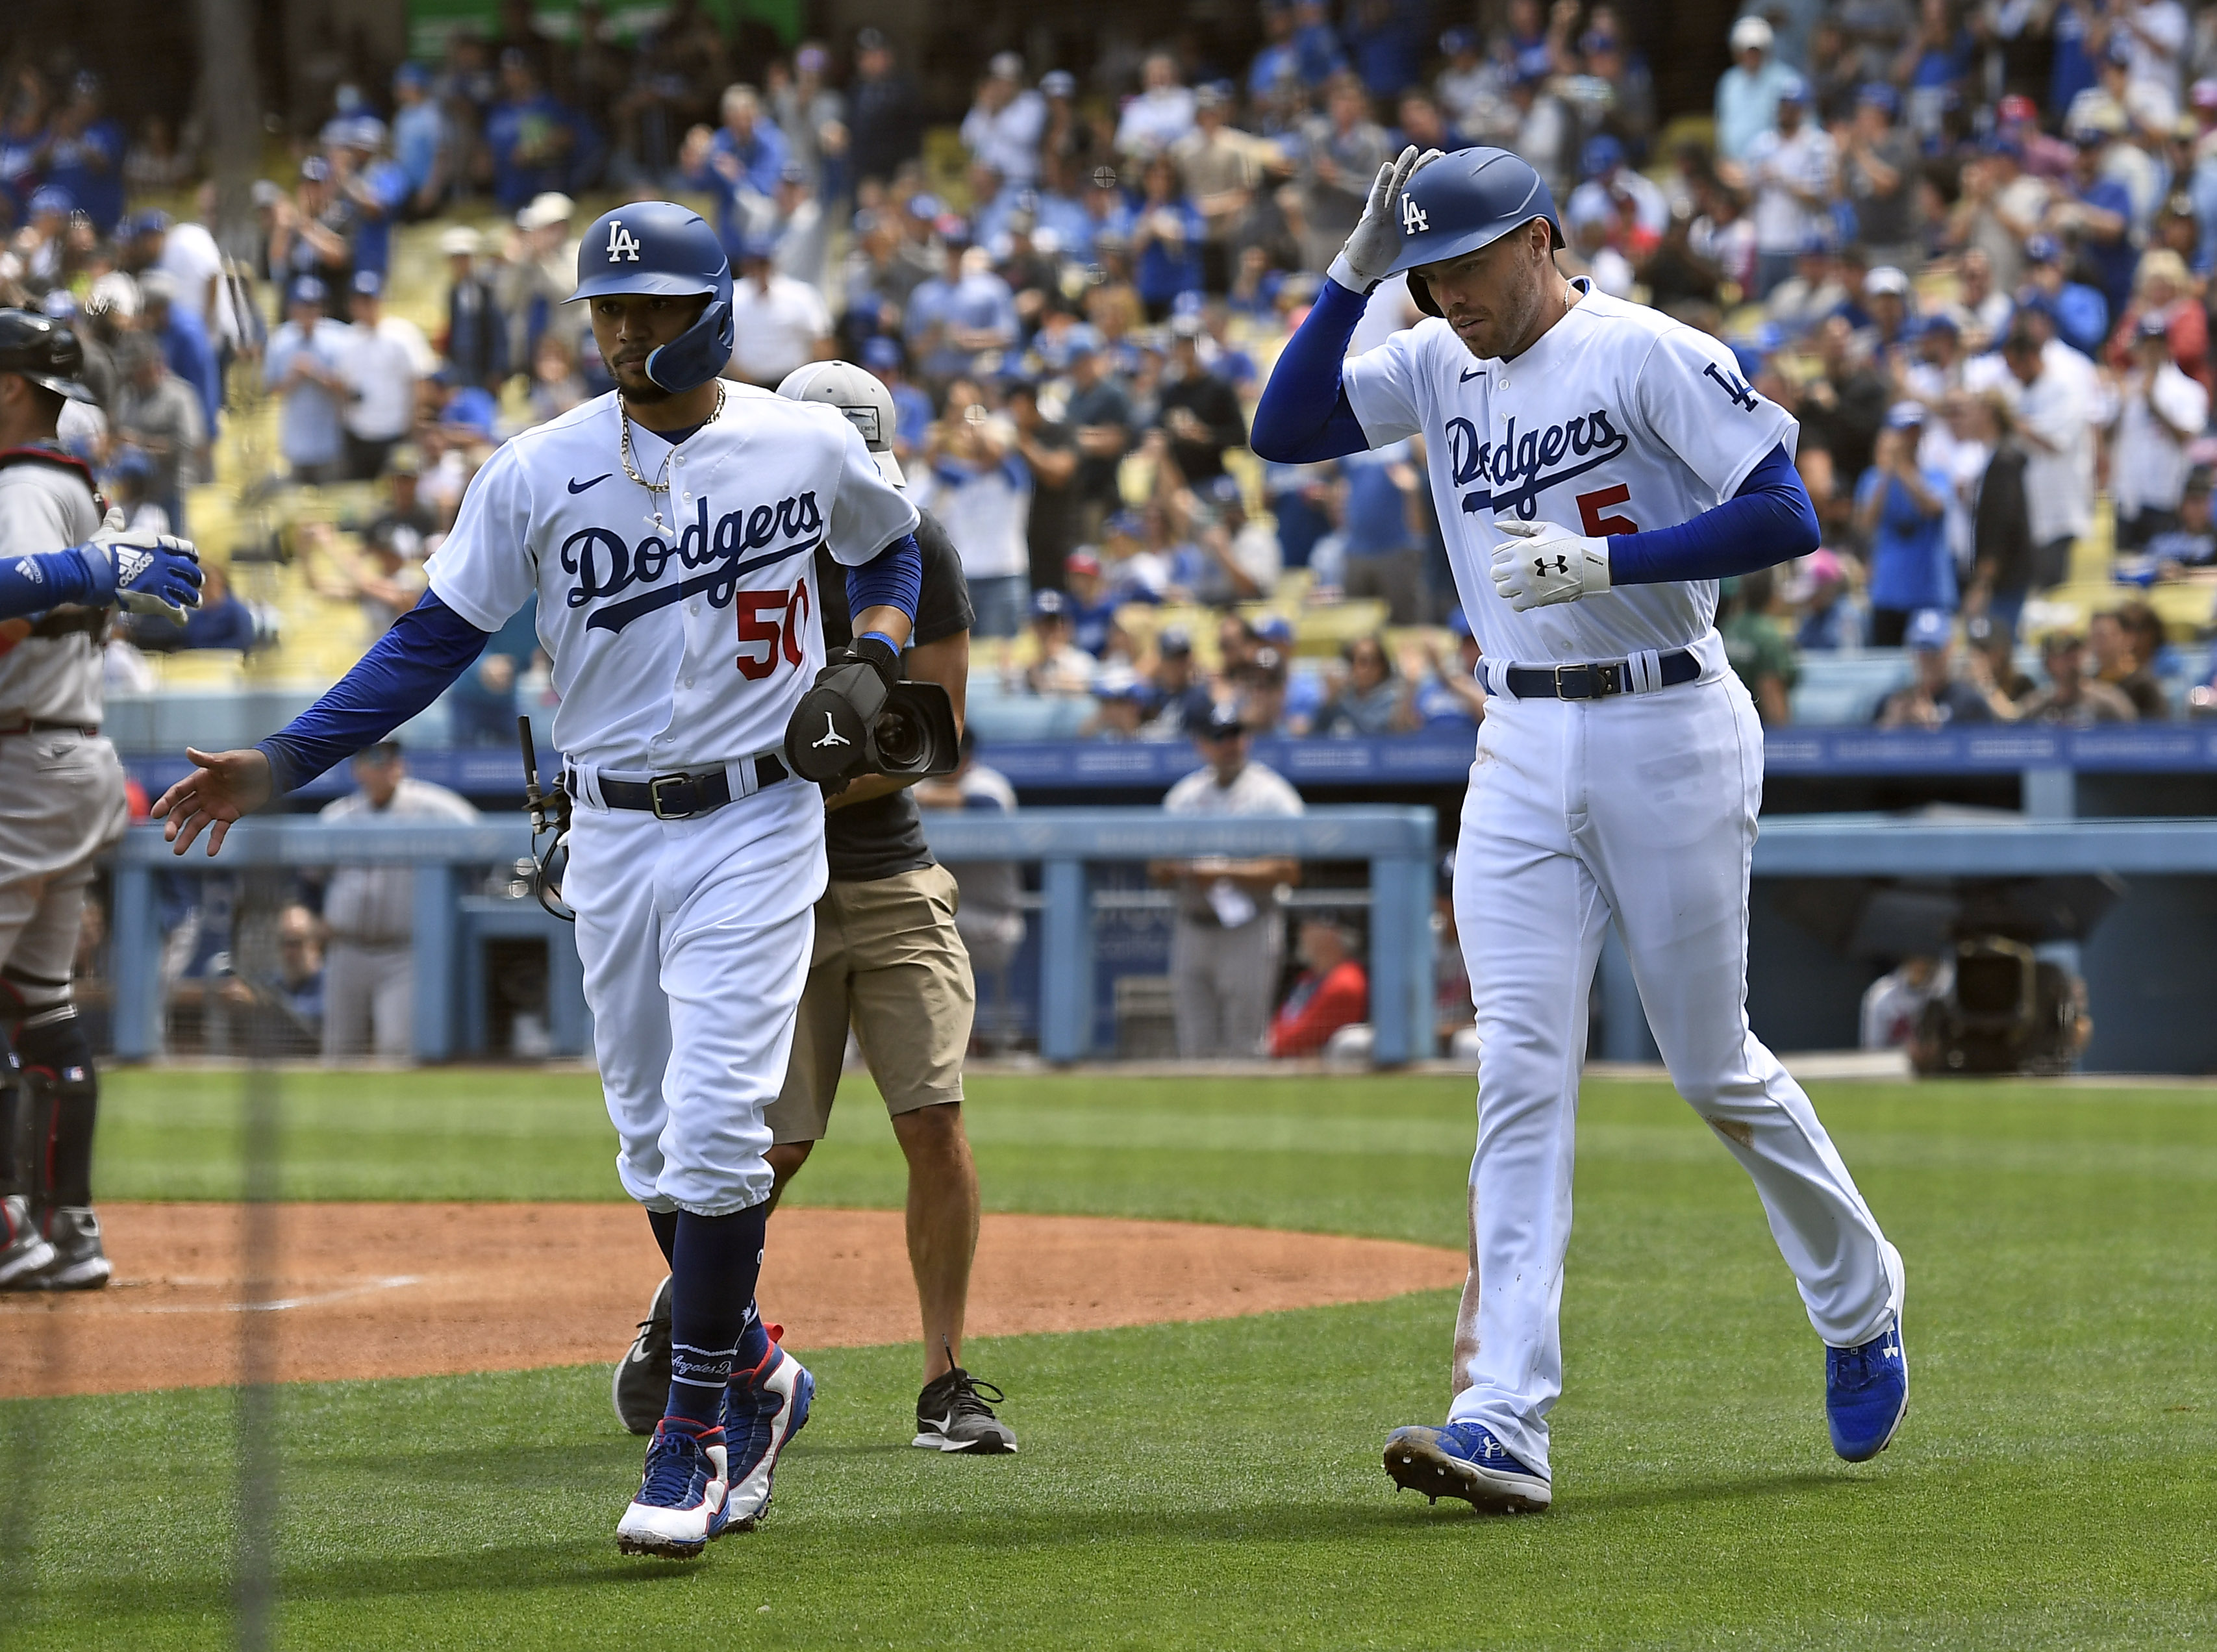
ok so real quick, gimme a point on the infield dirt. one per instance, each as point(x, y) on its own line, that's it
point(409, 1289)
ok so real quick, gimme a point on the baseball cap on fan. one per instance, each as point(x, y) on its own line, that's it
point(861, 401)
point(544, 211)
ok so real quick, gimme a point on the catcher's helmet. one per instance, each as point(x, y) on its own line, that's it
point(44, 351)
point(660, 247)
point(866, 404)
point(1464, 201)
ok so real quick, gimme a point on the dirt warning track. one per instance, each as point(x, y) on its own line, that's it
point(364, 1291)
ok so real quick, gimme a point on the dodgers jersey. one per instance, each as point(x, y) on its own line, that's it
point(1617, 421)
point(686, 645)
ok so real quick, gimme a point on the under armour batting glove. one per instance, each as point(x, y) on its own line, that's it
point(1540, 564)
point(144, 573)
point(1371, 250)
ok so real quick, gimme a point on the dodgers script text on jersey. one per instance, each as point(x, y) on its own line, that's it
point(681, 625)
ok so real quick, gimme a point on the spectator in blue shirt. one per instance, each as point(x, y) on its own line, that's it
point(420, 140)
point(1902, 509)
point(1383, 558)
point(537, 144)
point(302, 365)
point(2100, 214)
point(184, 339)
point(1450, 697)
point(374, 185)
point(84, 154)
point(1385, 39)
point(1167, 234)
point(1092, 605)
point(2080, 314)
point(740, 163)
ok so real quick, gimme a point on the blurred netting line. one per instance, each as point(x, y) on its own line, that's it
point(259, 1448)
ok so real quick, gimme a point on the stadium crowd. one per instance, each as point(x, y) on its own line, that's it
point(1967, 245)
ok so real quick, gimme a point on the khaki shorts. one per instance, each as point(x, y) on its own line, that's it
point(887, 961)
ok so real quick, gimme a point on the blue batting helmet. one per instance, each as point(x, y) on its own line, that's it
point(660, 246)
point(1464, 201)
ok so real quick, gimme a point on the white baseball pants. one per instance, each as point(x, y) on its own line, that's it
point(1639, 808)
point(695, 936)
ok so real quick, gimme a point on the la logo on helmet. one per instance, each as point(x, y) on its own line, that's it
point(1412, 217)
point(623, 244)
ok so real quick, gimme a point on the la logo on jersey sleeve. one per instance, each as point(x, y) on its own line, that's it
point(623, 244)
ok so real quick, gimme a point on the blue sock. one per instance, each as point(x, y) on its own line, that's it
point(754, 1344)
point(716, 1261)
point(665, 1223)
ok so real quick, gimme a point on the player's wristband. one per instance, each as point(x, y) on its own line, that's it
point(882, 652)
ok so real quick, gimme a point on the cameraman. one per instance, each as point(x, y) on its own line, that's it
point(889, 963)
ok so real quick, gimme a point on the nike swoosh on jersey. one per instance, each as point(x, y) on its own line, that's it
point(724, 576)
point(1472, 375)
point(576, 486)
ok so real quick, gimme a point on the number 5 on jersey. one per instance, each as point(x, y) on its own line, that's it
point(781, 639)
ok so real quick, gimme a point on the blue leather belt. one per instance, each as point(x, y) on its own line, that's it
point(1600, 679)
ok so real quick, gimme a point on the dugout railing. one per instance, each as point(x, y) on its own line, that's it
point(449, 920)
point(2148, 964)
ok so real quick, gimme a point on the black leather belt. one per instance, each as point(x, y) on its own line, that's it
point(40, 725)
point(682, 795)
point(1600, 679)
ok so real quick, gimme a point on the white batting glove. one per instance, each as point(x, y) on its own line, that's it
point(1371, 250)
point(147, 573)
point(1540, 564)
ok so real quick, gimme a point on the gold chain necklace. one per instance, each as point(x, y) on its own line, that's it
point(661, 485)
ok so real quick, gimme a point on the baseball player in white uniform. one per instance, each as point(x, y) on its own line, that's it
point(63, 569)
point(1596, 467)
point(668, 529)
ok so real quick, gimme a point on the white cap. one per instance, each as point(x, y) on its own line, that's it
point(1750, 32)
point(542, 211)
point(1886, 279)
point(459, 241)
point(114, 294)
point(866, 404)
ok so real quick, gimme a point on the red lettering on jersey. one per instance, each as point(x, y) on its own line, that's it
point(748, 606)
point(1590, 506)
point(796, 616)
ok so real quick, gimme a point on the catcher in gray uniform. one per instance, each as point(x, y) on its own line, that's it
point(66, 563)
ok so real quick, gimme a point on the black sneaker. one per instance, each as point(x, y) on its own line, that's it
point(951, 1416)
point(79, 1263)
point(640, 1386)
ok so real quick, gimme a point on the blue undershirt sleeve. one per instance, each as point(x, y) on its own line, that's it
point(407, 669)
point(1304, 415)
point(1768, 521)
point(892, 579)
point(48, 579)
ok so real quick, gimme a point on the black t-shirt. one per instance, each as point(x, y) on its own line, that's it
point(1053, 528)
point(885, 837)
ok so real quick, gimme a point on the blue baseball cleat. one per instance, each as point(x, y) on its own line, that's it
point(683, 1500)
point(1464, 1460)
point(1866, 1394)
point(764, 1409)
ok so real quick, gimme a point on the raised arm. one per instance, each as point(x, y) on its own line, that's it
point(1304, 415)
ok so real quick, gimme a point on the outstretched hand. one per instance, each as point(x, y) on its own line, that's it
point(224, 786)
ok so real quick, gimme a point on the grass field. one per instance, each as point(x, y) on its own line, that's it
point(1217, 1485)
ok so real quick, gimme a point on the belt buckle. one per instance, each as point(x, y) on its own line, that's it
point(654, 796)
point(1588, 677)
